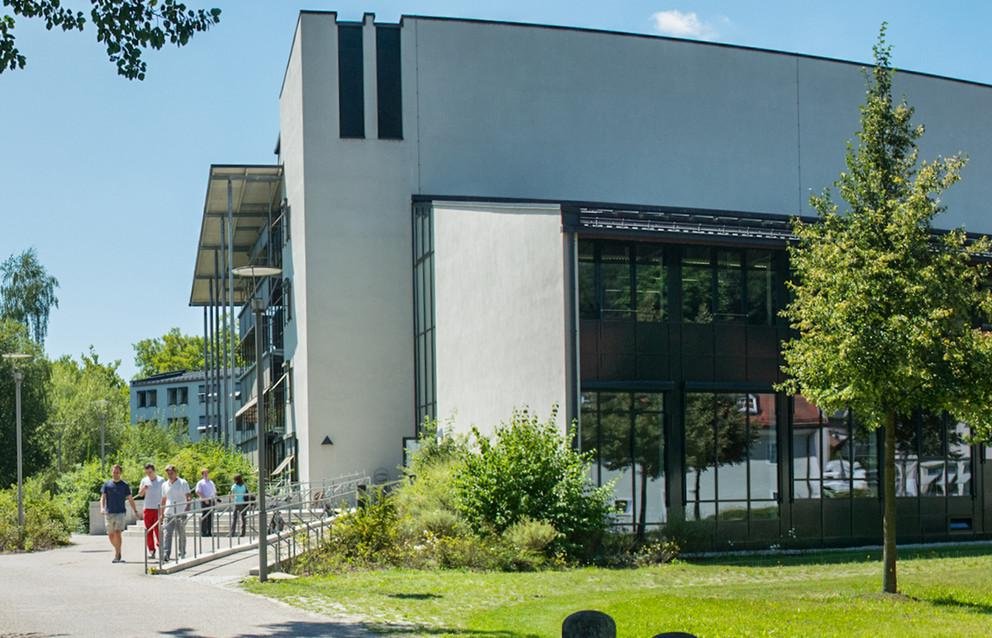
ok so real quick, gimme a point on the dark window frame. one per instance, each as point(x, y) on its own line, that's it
point(351, 81)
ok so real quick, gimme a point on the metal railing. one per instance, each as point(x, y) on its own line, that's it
point(291, 508)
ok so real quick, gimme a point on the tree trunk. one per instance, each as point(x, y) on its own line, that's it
point(889, 498)
point(642, 516)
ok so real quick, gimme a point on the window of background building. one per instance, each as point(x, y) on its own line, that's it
point(626, 430)
point(933, 457)
point(731, 463)
point(151, 398)
point(171, 396)
point(423, 315)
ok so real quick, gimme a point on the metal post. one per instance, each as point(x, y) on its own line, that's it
point(103, 435)
point(257, 306)
point(222, 320)
point(205, 400)
point(18, 378)
point(232, 318)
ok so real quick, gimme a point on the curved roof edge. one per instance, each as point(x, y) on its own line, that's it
point(652, 36)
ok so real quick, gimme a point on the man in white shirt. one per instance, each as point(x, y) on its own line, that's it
point(150, 489)
point(175, 504)
point(206, 491)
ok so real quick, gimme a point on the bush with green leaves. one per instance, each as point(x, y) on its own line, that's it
point(529, 470)
point(148, 443)
point(47, 521)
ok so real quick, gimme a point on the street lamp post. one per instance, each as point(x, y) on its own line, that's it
point(258, 307)
point(15, 358)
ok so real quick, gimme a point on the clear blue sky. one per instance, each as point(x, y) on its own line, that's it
point(106, 177)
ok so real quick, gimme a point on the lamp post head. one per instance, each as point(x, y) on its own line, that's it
point(16, 358)
point(256, 272)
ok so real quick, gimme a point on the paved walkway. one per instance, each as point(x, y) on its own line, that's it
point(77, 591)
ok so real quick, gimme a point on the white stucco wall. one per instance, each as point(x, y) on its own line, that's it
point(291, 149)
point(355, 301)
point(499, 311)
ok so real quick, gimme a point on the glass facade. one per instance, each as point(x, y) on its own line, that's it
point(423, 314)
point(679, 355)
point(731, 456)
point(627, 432)
point(622, 280)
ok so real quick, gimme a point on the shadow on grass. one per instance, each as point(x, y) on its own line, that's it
point(967, 605)
point(307, 629)
point(839, 556)
point(424, 596)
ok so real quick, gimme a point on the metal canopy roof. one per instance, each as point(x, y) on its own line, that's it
point(256, 192)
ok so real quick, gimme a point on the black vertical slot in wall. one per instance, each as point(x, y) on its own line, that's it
point(388, 82)
point(351, 81)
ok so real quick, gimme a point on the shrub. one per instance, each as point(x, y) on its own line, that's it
point(46, 519)
point(529, 471)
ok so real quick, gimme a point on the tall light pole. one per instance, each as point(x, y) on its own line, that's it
point(15, 358)
point(258, 307)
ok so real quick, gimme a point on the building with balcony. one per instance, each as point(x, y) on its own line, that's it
point(179, 400)
point(473, 216)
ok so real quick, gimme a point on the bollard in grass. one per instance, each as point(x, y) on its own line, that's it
point(588, 624)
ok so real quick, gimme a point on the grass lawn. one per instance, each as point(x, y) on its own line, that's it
point(946, 592)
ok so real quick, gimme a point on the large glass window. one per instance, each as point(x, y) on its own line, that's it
point(423, 315)
point(731, 456)
point(622, 280)
point(728, 286)
point(832, 454)
point(626, 429)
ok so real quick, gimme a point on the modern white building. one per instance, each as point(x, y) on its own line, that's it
point(474, 216)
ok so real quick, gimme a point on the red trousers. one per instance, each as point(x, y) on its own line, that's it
point(153, 538)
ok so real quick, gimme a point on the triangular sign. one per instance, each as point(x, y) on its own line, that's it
point(327, 441)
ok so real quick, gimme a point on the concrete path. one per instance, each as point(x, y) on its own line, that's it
point(77, 591)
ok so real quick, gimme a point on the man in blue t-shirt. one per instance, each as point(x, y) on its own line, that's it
point(113, 494)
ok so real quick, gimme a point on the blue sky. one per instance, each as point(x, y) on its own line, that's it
point(106, 177)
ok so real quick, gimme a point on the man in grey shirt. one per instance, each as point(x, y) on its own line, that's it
point(175, 504)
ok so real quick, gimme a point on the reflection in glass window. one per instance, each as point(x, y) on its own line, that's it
point(833, 456)
point(627, 431)
point(760, 287)
point(651, 283)
point(588, 303)
point(731, 458)
point(616, 280)
point(697, 284)
point(958, 459)
point(622, 281)
point(729, 286)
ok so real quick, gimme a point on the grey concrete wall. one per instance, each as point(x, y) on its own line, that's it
point(499, 312)
point(532, 112)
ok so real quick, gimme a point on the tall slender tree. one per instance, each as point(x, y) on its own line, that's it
point(887, 312)
point(27, 293)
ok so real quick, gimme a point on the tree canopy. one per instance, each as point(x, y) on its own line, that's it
point(887, 312)
point(34, 404)
point(76, 392)
point(172, 352)
point(127, 28)
point(27, 293)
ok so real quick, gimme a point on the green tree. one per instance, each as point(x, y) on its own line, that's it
point(885, 310)
point(127, 28)
point(77, 391)
point(175, 351)
point(34, 403)
point(27, 293)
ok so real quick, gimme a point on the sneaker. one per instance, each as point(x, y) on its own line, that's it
point(151, 554)
point(117, 559)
